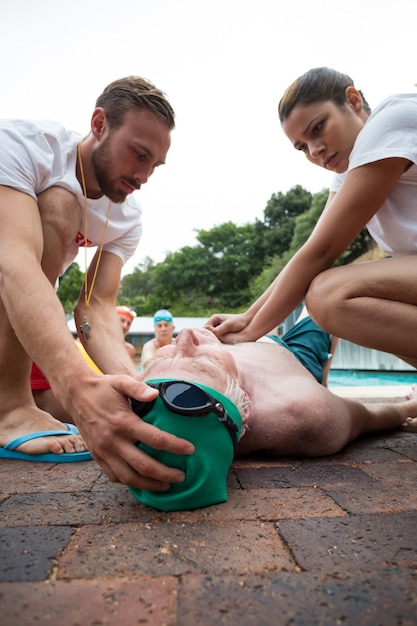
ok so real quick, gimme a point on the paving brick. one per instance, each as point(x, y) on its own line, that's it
point(300, 542)
point(174, 549)
point(364, 543)
point(24, 477)
point(29, 554)
point(103, 484)
point(380, 499)
point(144, 601)
point(372, 450)
point(375, 448)
point(400, 475)
point(266, 505)
point(301, 599)
point(396, 440)
point(409, 452)
point(74, 509)
point(301, 475)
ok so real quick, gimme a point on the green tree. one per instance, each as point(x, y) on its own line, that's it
point(239, 253)
point(213, 274)
point(304, 224)
point(181, 280)
point(70, 285)
point(298, 211)
point(231, 265)
point(135, 288)
point(279, 218)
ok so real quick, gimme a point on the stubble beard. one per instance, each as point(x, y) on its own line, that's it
point(102, 166)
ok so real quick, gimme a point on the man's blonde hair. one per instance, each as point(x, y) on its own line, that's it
point(134, 92)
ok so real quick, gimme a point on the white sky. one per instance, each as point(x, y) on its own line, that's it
point(224, 65)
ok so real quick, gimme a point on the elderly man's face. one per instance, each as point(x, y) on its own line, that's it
point(163, 332)
point(196, 354)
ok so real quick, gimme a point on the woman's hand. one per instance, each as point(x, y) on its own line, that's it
point(229, 328)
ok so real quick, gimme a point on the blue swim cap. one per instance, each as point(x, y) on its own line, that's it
point(162, 316)
point(206, 470)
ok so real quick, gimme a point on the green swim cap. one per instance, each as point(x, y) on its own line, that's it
point(206, 470)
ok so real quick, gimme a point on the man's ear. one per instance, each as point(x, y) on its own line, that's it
point(354, 99)
point(246, 411)
point(98, 123)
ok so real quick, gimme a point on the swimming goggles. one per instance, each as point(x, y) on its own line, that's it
point(186, 398)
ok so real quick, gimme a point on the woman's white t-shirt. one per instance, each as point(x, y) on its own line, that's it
point(391, 131)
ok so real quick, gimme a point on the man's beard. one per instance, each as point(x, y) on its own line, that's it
point(103, 168)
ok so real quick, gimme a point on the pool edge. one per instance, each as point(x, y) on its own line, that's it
point(374, 391)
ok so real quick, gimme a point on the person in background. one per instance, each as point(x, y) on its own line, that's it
point(126, 316)
point(164, 330)
point(374, 160)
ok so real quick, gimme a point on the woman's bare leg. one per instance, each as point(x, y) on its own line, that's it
point(373, 304)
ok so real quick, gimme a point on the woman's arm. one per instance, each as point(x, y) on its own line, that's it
point(346, 213)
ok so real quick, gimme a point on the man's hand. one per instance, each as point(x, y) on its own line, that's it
point(111, 430)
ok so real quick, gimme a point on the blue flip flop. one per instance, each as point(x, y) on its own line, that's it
point(9, 451)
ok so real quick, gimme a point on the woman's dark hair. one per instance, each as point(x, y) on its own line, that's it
point(317, 85)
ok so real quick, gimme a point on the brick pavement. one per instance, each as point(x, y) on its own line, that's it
point(299, 542)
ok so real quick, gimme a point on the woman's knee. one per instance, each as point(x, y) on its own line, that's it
point(324, 297)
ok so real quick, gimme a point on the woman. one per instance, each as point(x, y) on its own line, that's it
point(374, 158)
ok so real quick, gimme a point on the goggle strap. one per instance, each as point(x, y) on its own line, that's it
point(143, 408)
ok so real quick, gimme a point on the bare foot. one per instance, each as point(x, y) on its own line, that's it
point(410, 425)
point(412, 393)
point(30, 419)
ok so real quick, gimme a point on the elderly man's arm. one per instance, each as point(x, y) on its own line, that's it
point(311, 421)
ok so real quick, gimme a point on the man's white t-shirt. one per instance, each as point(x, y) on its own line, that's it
point(391, 131)
point(37, 155)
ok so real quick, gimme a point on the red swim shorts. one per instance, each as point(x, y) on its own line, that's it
point(37, 378)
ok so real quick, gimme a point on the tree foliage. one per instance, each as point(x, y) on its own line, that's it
point(230, 265)
point(280, 215)
point(138, 286)
point(70, 285)
point(213, 274)
point(303, 226)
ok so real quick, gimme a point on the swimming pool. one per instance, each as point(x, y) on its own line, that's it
point(355, 378)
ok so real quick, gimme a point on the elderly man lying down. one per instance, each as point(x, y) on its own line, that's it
point(272, 393)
